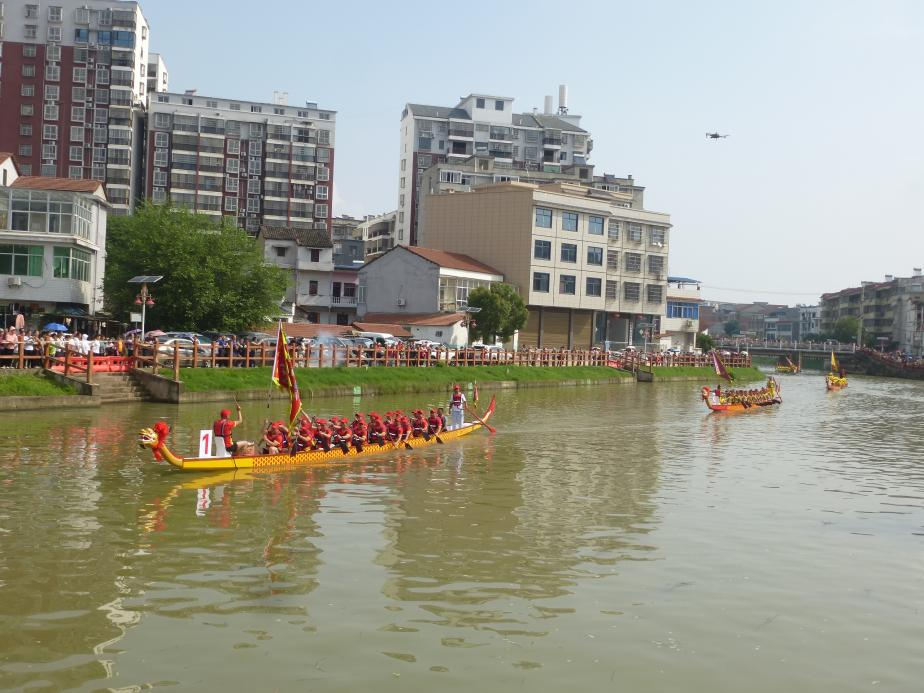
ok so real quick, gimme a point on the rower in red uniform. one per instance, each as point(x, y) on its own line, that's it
point(405, 424)
point(434, 423)
point(274, 440)
point(377, 431)
point(419, 425)
point(304, 435)
point(222, 428)
point(343, 436)
point(322, 435)
point(392, 427)
point(360, 431)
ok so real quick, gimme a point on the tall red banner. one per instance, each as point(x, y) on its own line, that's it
point(284, 375)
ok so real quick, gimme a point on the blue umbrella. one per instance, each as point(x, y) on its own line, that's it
point(55, 327)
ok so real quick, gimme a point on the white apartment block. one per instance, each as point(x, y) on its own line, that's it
point(259, 164)
point(158, 78)
point(52, 245)
point(74, 81)
point(485, 127)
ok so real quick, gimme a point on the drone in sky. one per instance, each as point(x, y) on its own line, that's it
point(715, 135)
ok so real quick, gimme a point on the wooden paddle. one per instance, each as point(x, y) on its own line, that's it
point(481, 421)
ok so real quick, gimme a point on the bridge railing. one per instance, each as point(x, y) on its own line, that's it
point(786, 345)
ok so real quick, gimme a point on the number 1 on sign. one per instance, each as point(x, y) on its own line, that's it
point(205, 443)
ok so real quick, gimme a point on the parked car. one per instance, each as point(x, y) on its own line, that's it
point(167, 348)
point(198, 336)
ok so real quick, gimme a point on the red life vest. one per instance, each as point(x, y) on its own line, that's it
point(222, 429)
point(435, 422)
point(456, 402)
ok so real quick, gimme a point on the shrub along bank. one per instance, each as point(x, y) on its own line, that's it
point(389, 380)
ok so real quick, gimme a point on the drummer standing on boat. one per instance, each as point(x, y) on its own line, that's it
point(222, 430)
point(456, 408)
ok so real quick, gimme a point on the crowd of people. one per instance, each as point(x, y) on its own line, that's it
point(37, 344)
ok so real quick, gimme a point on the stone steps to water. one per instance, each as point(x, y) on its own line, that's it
point(120, 387)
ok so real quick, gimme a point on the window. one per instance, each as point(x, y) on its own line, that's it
point(51, 111)
point(234, 106)
point(78, 114)
point(75, 172)
point(160, 157)
point(543, 217)
point(230, 204)
point(542, 250)
point(78, 94)
point(253, 204)
point(49, 151)
point(656, 235)
point(25, 129)
point(567, 284)
point(232, 185)
point(313, 287)
point(498, 105)
point(52, 73)
point(49, 170)
point(423, 143)
point(569, 221)
point(688, 311)
point(320, 211)
point(161, 139)
point(30, 32)
point(53, 53)
point(479, 103)
point(631, 291)
point(25, 150)
point(27, 90)
point(234, 146)
point(655, 293)
point(54, 34)
point(81, 35)
point(71, 263)
point(50, 132)
point(75, 153)
point(32, 11)
point(611, 288)
point(635, 233)
point(82, 16)
point(28, 70)
point(101, 96)
point(76, 133)
point(315, 255)
point(232, 166)
point(655, 264)
point(449, 177)
point(256, 109)
point(612, 259)
point(594, 255)
point(593, 286)
point(22, 260)
point(633, 263)
point(320, 192)
point(26, 169)
point(55, 13)
point(80, 77)
point(26, 109)
point(568, 252)
point(595, 226)
point(541, 282)
point(160, 179)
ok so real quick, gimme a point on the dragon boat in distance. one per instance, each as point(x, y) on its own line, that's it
point(743, 400)
point(834, 382)
point(785, 365)
point(149, 438)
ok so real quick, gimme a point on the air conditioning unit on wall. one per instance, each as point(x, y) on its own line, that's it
point(401, 302)
point(14, 281)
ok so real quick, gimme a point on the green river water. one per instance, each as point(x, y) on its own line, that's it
point(608, 538)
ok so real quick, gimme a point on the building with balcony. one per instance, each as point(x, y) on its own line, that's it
point(412, 280)
point(680, 323)
point(158, 79)
point(590, 269)
point(358, 240)
point(73, 91)
point(809, 321)
point(52, 246)
point(484, 140)
point(319, 291)
point(257, 164)
point(891, 312)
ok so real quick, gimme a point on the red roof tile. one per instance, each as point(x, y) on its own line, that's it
point(449, 260)
point(312, 330)
point(428, 319)
point(388, 328)
point(63, 184)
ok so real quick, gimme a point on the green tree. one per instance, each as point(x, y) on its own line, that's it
point(214, 274)
point(705, 342)
point(846, 328)
point(502, 312)
point(732, 327)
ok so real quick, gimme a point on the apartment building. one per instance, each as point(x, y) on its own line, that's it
point(485, 127)
point(158, 78)
point(258, 164)
point(680, 323)
point(809, 320)
point(74, 81)
point(891, 312)
point(52, 245)
point(319, 291)
point(357, 240)
point(590, 269)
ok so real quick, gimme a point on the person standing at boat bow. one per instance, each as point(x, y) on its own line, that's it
point(456, 408)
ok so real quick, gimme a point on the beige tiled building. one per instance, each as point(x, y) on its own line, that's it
point(590, 268)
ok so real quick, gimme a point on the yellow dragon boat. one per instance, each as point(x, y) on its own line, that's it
point(149, 438)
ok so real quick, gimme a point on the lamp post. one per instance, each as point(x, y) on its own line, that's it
point(144, 297)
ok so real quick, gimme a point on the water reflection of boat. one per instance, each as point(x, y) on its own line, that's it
point(307, 458)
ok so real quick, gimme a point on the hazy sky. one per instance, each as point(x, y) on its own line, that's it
point(820, 184)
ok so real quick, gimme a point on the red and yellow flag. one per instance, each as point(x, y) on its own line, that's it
point(720, 369)
point(284, 375)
